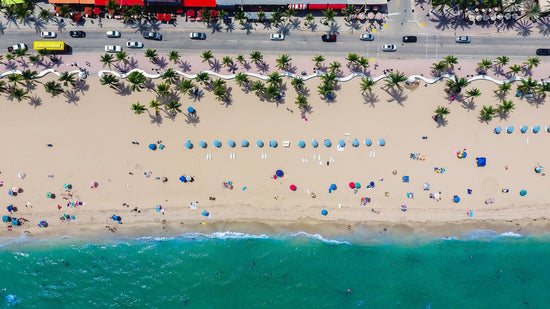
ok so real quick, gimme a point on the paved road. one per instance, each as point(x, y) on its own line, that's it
point(429, 46)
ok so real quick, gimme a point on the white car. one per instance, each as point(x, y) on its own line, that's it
point(113, 48)
point(132, 44)
point(277, 37)
point(113, 34)
point(48, 34)
point(366, 37)
point(389, 48)
point(463, 39)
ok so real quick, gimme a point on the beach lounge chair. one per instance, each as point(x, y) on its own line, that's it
point(405, 178)
point(286, 143)
point(426, 186)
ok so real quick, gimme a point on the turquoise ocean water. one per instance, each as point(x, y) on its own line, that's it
point(232, 270)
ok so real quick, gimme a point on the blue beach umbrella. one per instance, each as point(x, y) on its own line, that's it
point(328, 143)
point(153, 146)
point(301, 144)
point(368, 142)
point(5, 219)
point(536, 129)
point(10, 192)
point(273, 144)
point(524, 129)
point(510, 129)
point(202, 144)
point(205, 213)
point(341, 143)
point(333, 187)
point(14, 222)
point(523, 193)
point(324, 212)
point(244, 143)
point(188, 144)
point(355, 143)
point(279, 173)
point(231, 143)
point(182, 178)
point(381, 142)
point(497, 130)
point(456, 199)
point(314, 143)
point(190, 110)
point(259, 143)
point(217, 144)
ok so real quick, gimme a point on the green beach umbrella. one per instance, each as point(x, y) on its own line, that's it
point(49, 195)
point(523, 193)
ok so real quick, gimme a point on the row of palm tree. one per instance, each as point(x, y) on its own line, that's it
point(28, 79)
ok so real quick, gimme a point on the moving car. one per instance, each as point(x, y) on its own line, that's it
point(463, 39)
point(21, 46)
point(48, 34)
point(113, 34)
point(328, 37)
point(409, 39)
point(366, 37)
point(543, 52)
point(113, 48)
point(152, 35)
point(197, 36)
point(277, 37)
point(77, 34)
point(132, 44)
point(389, 48)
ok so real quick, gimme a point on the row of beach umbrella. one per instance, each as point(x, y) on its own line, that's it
point(274, 144)
point(523, 129)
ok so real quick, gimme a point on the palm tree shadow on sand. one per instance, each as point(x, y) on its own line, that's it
point(161, 62)
point(71, 96)
point(192, 119)
point(543, 24)
point(371, 98)
point(185, 66)
point(397, 95)
point(155, 119)
point(442, 122)
point(537, 100)
point(35, 101)
point(468, 104)
point(123, 89)
point(524, 27)
point(215, 65)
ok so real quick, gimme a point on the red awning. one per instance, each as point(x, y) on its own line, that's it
point(213, 13)
point(130, 2)
point(297, 6)
point(88, 11)
point(317, 6)
point(336, 6)
point(159, 16)
point(97, 11)
point(190, 13)
point(100, 2)
point(167, 17)
point(200, 3)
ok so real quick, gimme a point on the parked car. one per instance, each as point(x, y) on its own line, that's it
point(389, 48)
point(77, 34)
point(134, 44)
point(463, 39)
point(197, 36)
point(48, 34)
point(543, 52)
point(410, 39)
point(113, 48)
point(152, 35)
point(12, 49)
point(113, 34)
point(276, 37)
point(366, 37)
point(328, 37)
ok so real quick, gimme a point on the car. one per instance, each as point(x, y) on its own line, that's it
point(77, 34)
point(410, 39)
point(20, 46)
point(328, 37)
point(543, 52)
point(276, 37)
point(389, 48)
point(48, 34)
point(366, 37)
point(134, 44)
point(463, 39)
point(197, 36)
point(113, 34)
point(152, 35)
point(113, 48)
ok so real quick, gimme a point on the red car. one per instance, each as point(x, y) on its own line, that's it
point(328, 37)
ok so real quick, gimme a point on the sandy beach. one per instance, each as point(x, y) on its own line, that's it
point(93, 134)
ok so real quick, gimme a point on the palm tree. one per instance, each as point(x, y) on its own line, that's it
point(318, 59)
point(155, 104)
point(240, 17)
point(455, 85)
point(301, 101)
point(202, 77)
point(54, 88)
point(218, 83)
point(473, 93)
point(220, 93)
point(309, 19)
point(274, 79)
point(486, 113)
point(502, 61)
point(504, 88)
point(325, 90)
point(107, 59)
point(439, 67)
point(151, 54)
point(34, 59)
point(122, 56)
point(112, 7)
point(283, 62)
point(366, 84)
point(271, 92)
point(363, 62)
point(163, 89)
point(395, 79)
point(347, 11)
point(227, 61)
point(450, 61)
point(109, 79)
point(329, 78)
point(352, 59)
point(136, 79)
point(29, 76)
point(334, 67)
point(329, 15)
point(174, 107)
point(441, 112)
point(174, 56)
point(15, 79)
point(276, 17)
point(261, 16)
point(45, 14)
point(484, 65)
point(19, 94)
point(298, 83)
point(3, 86)
point(256, 57)
point(67, 78)
point(240, 58)
point(532, 62)
point(138, 108)
point(532, 10)
point(506, 107)
point(527, 86)
point(186, 85)
point(514, 69)
point(170, 75)
point(241, 78)
point(20, 53)
point(289, 13)
point(258, 86)
point(207, 55)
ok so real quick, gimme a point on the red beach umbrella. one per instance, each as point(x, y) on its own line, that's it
point(293, 187)
point(352, 185)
